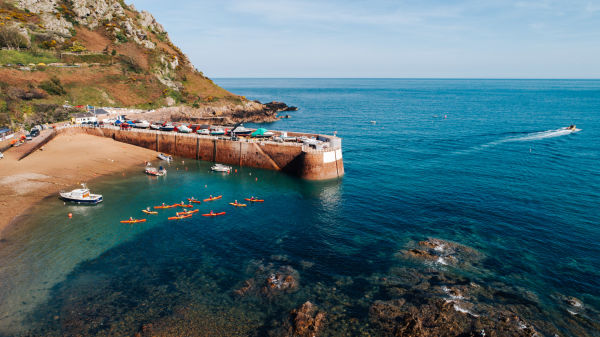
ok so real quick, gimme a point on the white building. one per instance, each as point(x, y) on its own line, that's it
point(85, 117)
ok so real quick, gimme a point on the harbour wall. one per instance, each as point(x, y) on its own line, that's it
point(293, 158)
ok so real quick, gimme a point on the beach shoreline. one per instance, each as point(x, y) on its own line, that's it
point(65, 162)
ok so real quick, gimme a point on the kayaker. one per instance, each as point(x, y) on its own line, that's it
point(236, 202)
point(130, 218)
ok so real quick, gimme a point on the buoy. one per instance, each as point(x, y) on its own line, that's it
point(70, 215)
point(255, 179)
point(235, 170)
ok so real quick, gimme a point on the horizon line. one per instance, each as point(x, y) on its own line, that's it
point(411, 78)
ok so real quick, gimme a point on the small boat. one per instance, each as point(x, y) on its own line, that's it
point(213, 198)
point(221, 168)
point(253, 199)
point(187, 212)
point(184, 205)
point(81, 196)
point(180, 217)
point(203, 132)
point(149, 212)
point(133, 220)
point(142, 125)
point(195, 201)
point(237, 204)
point(162, 156)
point(153, 171)
point(163, 206)
point(572, 128)
point(184, 129)
point(167, 127)
point(154, 126)
point(217, 132)
point(213, 214)
point(241, 130)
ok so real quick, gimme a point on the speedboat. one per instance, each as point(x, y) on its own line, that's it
point(217, 132)
point(184, 129)
point(162, 156)
point(241, 130)
point(572, 128)
point(221, 168)
point(203, 132)
point(81, 196)
point(153, 171)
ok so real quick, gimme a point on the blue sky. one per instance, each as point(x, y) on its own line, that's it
point(385, 38)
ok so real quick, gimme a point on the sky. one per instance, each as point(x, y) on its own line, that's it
point(385, 38)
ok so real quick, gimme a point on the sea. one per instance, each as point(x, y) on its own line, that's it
point(462, 198)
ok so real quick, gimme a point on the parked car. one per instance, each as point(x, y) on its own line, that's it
point(34, 132)
point(28, 136)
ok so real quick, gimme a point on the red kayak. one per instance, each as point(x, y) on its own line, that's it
point(187, 212)
point(194, 201)
point(213, 198)
point(180, 217)
point(213, 214)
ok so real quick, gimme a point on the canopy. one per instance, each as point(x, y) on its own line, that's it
point(259, 132)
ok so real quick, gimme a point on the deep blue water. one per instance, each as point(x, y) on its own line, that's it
point(478, 162)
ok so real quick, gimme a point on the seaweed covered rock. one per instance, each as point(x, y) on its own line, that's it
point(306, 321)
point(269, 281)
point(443, 253)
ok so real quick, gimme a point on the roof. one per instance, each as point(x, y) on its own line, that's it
point(83, 115)
point(101, 112)
point(4, 131)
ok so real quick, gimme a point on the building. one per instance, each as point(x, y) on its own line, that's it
point(81, 118)
point(5, 134)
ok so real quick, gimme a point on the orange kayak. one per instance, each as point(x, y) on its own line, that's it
point(180, 217)
point(184, 205)
point(187, 212)
point(237, 205)
point(149, 212)
point(133, 221)
point(254, 200)
point(165, 206)
point(213, 198)
point(213, 214)
point(194, 201)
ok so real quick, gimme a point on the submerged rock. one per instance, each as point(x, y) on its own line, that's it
point(269, 281)
point(306, 321)
point(442, 252)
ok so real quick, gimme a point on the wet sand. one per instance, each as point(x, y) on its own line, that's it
point(62, 164)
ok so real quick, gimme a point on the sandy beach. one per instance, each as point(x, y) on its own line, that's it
point(63, 163)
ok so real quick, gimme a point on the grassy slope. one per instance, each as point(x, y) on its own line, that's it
point(117, 84)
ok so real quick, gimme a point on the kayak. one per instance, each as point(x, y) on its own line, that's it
point(187, 212)
point(214, 198)
point(194, 201)
point(213, 214)
point(237, 205)
point(184, 205)
point(180, 217)
point(149, 212)
point(133, 221)
point(254, 200)
point(165, 206)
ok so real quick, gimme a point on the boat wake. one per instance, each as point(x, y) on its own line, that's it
point(527, 137)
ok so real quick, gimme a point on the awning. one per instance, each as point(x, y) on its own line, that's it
point(259, 132)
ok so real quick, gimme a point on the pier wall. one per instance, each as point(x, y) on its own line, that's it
point(293, 158)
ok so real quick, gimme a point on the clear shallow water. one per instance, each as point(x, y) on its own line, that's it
point(477, 162)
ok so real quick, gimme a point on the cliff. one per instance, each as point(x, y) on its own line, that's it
point(101, 52)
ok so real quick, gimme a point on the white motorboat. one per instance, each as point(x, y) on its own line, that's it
point(203, 132)
point(241, 130)
point(184, 129)
point(162, 156)
point(572, 128)
point(142, 125)
point(269, 134)
point(155, 126)
point(153, 171)
point(81, 196)
point(221, 168)
point(217, 132)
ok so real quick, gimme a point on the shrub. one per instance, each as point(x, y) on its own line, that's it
point(53, 87)
point(11, 38)
point(130, 63)
point(121, 37)
point(77, 47)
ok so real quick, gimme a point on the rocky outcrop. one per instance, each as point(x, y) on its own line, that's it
point(442, 253)
point(306, 321)
point(269, 281)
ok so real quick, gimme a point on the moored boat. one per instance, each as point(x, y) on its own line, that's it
point(81, 196)
point(184, 129)
point(221, 168)
point(217, 132)
point(203, 132)
point(241, 130)
point(162, 156)
point(153, 171)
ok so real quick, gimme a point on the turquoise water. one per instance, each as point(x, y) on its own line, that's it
point(481, 163)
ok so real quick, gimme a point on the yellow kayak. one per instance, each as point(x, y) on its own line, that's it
point(237, 205)
point(149, 212)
